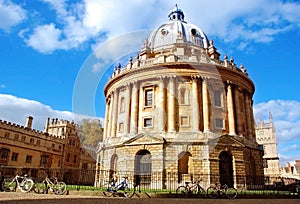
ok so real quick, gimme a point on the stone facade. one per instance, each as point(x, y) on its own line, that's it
point(57, 148)
point(291, 171)
point(178, 108)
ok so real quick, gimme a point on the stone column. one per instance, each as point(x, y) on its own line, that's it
point(248, 114)
point(238, 111)
point(231, 122)
point(195, 103)
point(134, 109)
point(252, 118)
point(115, 115)
point(161, 105)
point(106, 119)
point(108, 132)
point(171, 105)
point(206, 122)
point(127, 110)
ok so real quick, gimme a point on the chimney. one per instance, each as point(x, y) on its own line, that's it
point(29, 122)
point(47, 125)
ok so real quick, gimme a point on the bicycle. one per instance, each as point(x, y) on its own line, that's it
point(113, 189)
point(58, 187)
point(24, 183)
point(218, 190)
point(190, 189)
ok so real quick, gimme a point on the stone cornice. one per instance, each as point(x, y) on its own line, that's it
point(200, 69)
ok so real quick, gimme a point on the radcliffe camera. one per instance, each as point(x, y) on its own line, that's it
point(167, 113)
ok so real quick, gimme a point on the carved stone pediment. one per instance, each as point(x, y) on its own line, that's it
point(225, 140)
point(143, 139)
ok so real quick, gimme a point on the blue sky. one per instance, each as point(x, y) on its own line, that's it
point(47, 45)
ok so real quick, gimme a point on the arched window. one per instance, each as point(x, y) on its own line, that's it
point(113, 166)
point(184, 96)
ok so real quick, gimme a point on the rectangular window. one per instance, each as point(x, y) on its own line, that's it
point(68, 157)
point(53, 146)
point(219, 123)
point(38, 142)
point(122, 105)
point(16, 137)
point(23, 138)
point(121, 127)
point(6, 135)
point(84, 166)
point(218, 98)
point(44, 160)
point(31, 141)
point(184, 121)
point(148, 97)
point(4, 153)
point(14, 156)
point(75, 158)
point(28, 159)
point(148, 122)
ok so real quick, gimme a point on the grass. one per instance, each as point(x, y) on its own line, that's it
point(241, 193)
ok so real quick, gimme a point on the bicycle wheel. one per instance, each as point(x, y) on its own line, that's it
point(182, 192)
point(40, 188)
point(60, 188)
point(201, 192)
point(9, 185)
point(128, 191)
point(26, 185)
point(231, 193)
point(212, 192)
point(107, 190)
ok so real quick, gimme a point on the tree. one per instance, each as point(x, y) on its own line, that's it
point(92, 132)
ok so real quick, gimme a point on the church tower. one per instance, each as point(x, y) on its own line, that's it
point(266, 136)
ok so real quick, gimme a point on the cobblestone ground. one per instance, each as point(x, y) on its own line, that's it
point(95, 198)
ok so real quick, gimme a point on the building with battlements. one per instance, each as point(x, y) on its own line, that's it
point(57, 148)
point(178, 109)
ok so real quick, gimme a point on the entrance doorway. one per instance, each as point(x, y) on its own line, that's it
point(226, 169)
point(183, 165)
point(142, 168)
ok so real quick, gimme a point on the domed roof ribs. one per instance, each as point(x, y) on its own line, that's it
point(176, 31)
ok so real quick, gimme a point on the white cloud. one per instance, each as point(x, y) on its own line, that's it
point(15, 110)
point(88, 20)
point(10, 14)
point(286, 118)
point(45, 38)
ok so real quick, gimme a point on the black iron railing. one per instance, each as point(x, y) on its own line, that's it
point(155, 182)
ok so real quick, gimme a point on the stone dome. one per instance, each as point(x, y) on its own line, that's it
point(176, 30)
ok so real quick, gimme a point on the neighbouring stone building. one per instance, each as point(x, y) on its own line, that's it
point(177, 108)
point(57, 149)
point(266, 136)
point(291, 170)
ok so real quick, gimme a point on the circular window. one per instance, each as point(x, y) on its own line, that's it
point(194, 31)
point(164, 31)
